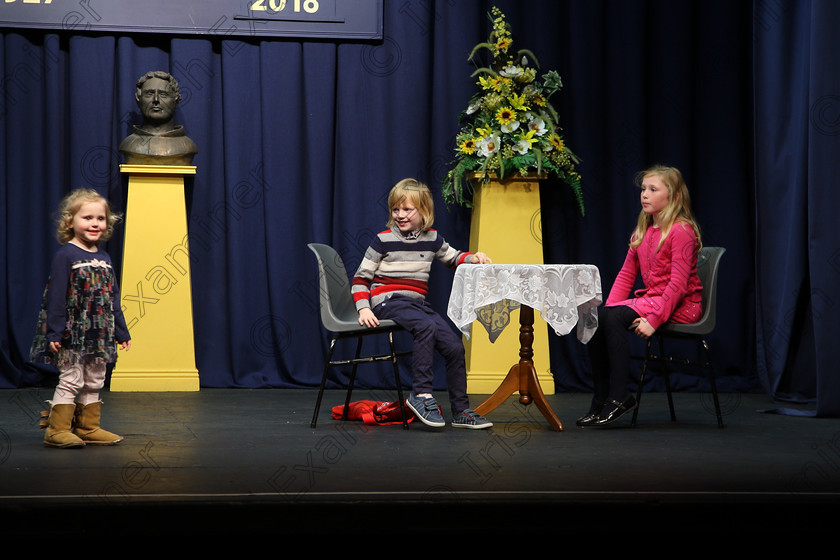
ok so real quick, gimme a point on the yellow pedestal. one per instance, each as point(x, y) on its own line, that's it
point(155, 287)
point(506, 225)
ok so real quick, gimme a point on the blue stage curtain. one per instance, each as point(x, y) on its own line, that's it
point(300, 142)
point(797, 85)
point(659, 82)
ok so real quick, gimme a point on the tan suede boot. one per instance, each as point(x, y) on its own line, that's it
point(58, 423)
point(87, 425)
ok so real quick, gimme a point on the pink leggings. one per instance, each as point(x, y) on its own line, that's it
point(79, 383)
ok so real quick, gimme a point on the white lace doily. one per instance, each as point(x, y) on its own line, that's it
point(566, 295)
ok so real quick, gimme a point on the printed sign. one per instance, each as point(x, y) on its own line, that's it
point(320, 19)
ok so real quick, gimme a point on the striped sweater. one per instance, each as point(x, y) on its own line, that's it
point(399, 264)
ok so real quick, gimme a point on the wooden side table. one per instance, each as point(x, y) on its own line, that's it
point(567, 296)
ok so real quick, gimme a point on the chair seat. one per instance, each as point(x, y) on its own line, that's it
point(685, 329)
point(353, 327)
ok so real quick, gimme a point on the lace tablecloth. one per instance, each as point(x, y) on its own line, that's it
point(566, 295)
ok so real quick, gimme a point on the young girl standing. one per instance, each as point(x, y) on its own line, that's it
point(391, 283)
point(81, 322)
point(663, 249)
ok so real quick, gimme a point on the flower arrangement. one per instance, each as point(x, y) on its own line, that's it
point(509, 126)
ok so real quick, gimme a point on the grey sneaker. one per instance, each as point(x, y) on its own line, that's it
point(426, 409)
point(470, 419)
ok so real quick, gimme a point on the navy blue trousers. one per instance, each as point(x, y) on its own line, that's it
point(430, 332)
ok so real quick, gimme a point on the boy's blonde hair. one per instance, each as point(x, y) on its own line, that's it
point(419, 195)
point(71, 204)
point(677, 210)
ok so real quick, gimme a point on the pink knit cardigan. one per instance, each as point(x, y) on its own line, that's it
point(672, 289)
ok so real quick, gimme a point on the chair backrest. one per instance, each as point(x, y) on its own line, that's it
point(708, 264)
point(338, 312)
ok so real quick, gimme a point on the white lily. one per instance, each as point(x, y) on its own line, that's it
point(538, 126)
point(488, 145)
point(522, 146)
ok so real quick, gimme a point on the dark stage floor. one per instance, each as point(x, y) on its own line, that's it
point(234, 462)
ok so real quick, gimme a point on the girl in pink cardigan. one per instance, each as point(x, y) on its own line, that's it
point(663, 249)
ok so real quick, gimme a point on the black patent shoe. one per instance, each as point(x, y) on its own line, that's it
point(587, 419)
point(592, 415)
point(619, 410)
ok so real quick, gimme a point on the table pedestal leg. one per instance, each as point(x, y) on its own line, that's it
point(522, 376)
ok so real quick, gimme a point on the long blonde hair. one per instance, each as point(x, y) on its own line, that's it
point(678, 208)
point(72, 203)
point(419, 195)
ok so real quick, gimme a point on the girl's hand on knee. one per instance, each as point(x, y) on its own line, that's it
point(55, 346)
point(643, 328)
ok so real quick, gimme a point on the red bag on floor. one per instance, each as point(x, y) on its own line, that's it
point(373, 412)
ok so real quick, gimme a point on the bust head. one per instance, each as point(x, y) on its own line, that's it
point(158, 140)
point(157, 96)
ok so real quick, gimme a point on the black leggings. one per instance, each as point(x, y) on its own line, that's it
point(609, 353)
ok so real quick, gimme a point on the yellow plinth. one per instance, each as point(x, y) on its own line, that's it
point(506, 225)
point(155, 286)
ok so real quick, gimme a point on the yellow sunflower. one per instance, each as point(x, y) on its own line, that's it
point(467, 146)
point(556, 142)
point(505, 115)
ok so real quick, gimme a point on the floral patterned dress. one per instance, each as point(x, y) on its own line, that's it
point(80, 309)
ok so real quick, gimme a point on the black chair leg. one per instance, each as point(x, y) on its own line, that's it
point(712, 381)
point(323, 384)
point(352, 381)
point(667, 380)
point(663, 359)
point(641, 382)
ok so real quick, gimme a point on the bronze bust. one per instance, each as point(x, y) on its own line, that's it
point(158, 140)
